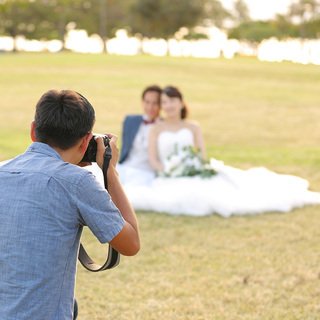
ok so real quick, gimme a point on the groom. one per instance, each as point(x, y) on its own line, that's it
point(134, 151)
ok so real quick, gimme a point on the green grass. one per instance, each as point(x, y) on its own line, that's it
point(252, 114)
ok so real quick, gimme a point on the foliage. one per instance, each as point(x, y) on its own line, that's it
point(50, 19)
point(312, 29)
point(34, 20)
point(10, 18)
point(259, 30)
point(193, 35)
point(215, 13)
point(301, 7)
point(163, 18)
point(306, 11)
point(188, 163)
point(242, 11)
point(115, 13)
point(283, 26)
point(47, 19)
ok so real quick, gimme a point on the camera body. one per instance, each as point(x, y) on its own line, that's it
point(91, 152)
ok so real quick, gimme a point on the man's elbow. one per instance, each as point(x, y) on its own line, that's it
point(133, 249)
point(126, 247)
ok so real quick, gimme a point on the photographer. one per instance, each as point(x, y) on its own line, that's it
point(46, 199)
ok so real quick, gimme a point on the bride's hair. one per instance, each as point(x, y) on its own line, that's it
point(174, 92)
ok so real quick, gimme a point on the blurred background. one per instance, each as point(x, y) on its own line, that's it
point(270, 30)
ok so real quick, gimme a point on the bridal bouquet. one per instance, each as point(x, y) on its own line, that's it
point(187, 163)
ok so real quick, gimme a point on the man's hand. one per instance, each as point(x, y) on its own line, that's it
point(113, 139)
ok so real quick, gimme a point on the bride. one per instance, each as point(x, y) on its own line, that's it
point(210, 187)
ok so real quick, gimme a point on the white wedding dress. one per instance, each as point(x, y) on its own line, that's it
point(230, 192)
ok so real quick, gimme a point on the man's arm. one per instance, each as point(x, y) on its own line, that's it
point(127, 242)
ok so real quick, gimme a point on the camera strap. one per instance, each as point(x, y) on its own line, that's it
point(113, 257)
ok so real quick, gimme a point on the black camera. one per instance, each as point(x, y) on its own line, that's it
point(91, 152)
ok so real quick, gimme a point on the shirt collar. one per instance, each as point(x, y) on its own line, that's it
point(146, 118)
point(44, 148)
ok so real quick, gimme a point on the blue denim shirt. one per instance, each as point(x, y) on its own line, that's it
point(44, 204)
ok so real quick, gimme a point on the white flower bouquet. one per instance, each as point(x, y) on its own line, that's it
point(187, 163)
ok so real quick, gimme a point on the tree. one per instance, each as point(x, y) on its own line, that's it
point(47, 19)
point(312, 29)
point(255, 31)
point(33, 19)
point(285, 27)
point(103, 17)
point(10, 18)
point(242, 13)
point(303, 11)
point(215, 13)
point(163, 18)
point(300, 8)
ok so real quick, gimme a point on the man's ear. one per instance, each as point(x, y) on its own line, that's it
point(84, 142)
point(32, 134)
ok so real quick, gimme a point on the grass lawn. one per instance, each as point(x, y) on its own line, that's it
point(252, 113)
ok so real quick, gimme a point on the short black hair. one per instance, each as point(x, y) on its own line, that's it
point(154, 88)
point(62, 118)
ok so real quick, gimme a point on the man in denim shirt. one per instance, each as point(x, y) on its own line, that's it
point(46, 199)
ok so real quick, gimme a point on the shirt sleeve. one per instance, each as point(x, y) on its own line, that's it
point(96, 209)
